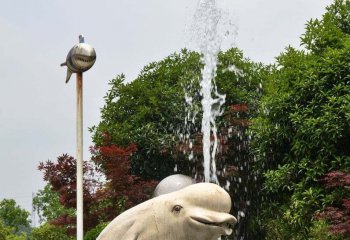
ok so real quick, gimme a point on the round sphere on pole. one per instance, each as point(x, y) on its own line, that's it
point(173, 183)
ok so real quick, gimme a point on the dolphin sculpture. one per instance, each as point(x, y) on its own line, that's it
point(197, 212)
point(80, 58)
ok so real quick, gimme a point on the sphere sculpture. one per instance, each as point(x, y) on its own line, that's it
point(172, 184)
point(197, 212)
point(80, 58)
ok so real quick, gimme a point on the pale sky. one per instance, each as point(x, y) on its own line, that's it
point(37, 109)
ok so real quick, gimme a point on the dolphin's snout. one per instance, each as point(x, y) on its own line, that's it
point(224, 221)
point(232, 221)
point(229, 224)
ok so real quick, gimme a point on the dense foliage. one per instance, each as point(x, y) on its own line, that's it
point(48, 206)
point(62, 178)
point(122, 189)
point(284, 138)
point(303, 132)
point(338, 214)
point(147, 111)
point(14, 216)
point(49, 232)
point(102, 200)
point(151, 111)
point(8, 233)
point(93, 233)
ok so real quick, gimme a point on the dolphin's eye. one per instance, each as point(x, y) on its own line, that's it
point(177, 209)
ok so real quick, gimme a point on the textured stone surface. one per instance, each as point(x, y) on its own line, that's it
point(197, 212)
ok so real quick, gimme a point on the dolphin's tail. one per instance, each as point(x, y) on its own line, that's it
point(69, 74)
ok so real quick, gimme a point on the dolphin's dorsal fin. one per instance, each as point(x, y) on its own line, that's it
point(81, 38)
point(69, 74)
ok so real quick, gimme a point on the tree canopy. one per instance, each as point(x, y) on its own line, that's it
point(8, 233)
point(150, 111)
point(302, 132)
point(13, 216)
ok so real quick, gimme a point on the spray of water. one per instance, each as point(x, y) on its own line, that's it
point(205, 30)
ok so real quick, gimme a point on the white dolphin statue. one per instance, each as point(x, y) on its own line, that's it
point(197, 212)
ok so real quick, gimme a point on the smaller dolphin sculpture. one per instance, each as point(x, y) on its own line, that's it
point(197, 212)
point(80, 58)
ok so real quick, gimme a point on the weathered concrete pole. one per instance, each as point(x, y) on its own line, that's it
point(79, 154)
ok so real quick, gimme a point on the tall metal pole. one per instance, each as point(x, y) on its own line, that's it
point(79, 59)
point(80, 221)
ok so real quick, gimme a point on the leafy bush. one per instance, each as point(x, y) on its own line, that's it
point(8, 233)
point(14, 216)
point(320, 231)
point(92, 234)
point(302, 131)
point(49, 232)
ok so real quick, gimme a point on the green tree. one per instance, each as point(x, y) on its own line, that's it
point(92, 234)
point(47, 205)
point(303, 131)
point(13, 215)
point(49, 232)
point(8, 233)
point(148, 111)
